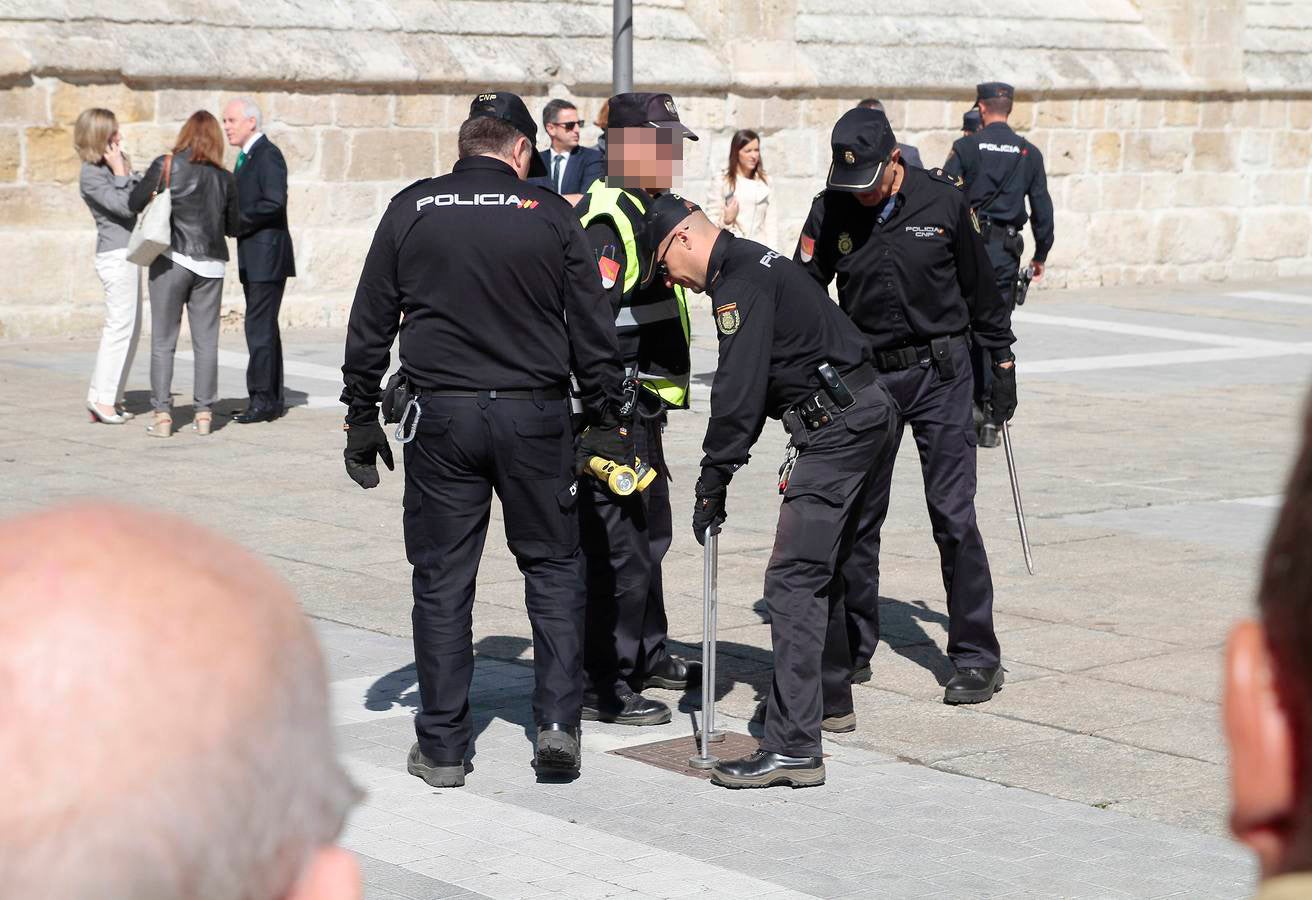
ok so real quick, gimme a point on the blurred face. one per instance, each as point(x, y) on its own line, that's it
point(236, 124)
point(564, 132)
point(647, 159)
point(749, 157)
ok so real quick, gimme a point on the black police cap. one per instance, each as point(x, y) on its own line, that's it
point(971, 121)
point(862, 142)
point(664, 214)
point(508, 107)
point(646, 110)
point(990, 89)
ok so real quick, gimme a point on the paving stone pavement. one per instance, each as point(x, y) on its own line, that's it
point(1154, 434)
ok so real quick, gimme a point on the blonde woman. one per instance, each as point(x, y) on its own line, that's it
point(740, 199)
point(106, 183)
point(189, 275)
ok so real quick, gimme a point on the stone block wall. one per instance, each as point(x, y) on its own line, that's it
point(1190, 173)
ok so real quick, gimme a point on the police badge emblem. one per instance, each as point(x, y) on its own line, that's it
point(845, 243)
point(726, 318)
point(849, 157)
point(669, 107)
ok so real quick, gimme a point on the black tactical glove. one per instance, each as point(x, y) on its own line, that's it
point(708, 508)
point(1004, 393)
point(612, 442)
point(364, 444)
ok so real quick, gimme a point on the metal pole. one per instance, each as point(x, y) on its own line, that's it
point(710, 565)
point(1015, 496)
point(622, 47)
point(709, 663)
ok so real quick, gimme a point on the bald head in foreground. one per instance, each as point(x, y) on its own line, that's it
point(166, 734)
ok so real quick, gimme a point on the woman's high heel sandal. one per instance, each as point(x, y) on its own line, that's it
point(201, 424)
point(95, 415)
point(163, 426)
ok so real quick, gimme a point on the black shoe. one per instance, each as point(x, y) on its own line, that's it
point(861, 674)
point(437, 774)
point(839, 724)
point(557, 750)
point(973, 685)
point(624, 707)
point(764, 769)
point(255, 414)
point(673, 674)
point(988, 435)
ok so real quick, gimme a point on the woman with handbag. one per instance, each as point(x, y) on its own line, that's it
point(189, 273)
point(740, 199)
point(106, 182)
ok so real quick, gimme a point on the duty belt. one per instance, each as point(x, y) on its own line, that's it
point(818, 410)
point(900, 358)
point(539, 394)
point(992, 230)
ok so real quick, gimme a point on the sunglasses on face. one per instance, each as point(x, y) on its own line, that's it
point(568, 126)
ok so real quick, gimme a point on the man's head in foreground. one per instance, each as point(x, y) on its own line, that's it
point(1268, 692)
point(166, 731)
point(682, 238)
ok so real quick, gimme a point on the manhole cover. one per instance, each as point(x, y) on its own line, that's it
point(673, 754)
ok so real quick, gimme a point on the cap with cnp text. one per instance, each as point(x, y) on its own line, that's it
point(990, 89)
point(862, 142)
point(646, 110)
point(509, 108)
point(664, 214)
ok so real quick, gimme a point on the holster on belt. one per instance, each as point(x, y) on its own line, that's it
point(396, 397)
point(940, 354)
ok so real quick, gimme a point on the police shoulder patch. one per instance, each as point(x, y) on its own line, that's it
point(939, 175)
point(727, 319)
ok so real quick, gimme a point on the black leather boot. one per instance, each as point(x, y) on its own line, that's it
point(558, 751)
point(436, 774)
point(623, 707)
point(673, 674)
point(765, 769)
point(973, 685)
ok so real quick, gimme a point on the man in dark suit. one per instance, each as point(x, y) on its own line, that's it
point(571, 169)
point(264, 256)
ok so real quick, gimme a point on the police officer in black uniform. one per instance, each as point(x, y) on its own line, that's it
point(915, 278)
point(971, 122)
point(785, 352)
point(1000, 169)
point(625, 539)
point(494, 288)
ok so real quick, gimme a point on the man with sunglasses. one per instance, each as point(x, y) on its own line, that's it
point(625, 538)
point(785, 352)
point(571, 168)
point(914, 275)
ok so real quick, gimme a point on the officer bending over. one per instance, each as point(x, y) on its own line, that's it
point(1000, 169)
point(913, 275)
point(496, 294)
point(786, 352)
point(625, 538)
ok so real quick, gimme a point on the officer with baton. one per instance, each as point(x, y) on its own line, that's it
point(914, 276)
point(493, 287)
point(785, 352)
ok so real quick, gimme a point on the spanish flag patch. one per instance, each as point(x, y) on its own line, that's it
point(806, 246)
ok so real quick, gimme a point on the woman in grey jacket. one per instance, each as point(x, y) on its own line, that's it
point(106, 182)
point(190, 273)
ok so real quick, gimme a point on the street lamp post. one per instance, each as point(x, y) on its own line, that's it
point(622, 47)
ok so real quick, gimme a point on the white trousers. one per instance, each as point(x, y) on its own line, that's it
point(118, 340)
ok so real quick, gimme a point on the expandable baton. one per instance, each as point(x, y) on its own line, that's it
point(710, 599)
point(1015, 496)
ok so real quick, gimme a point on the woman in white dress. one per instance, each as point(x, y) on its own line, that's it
point(740, 200)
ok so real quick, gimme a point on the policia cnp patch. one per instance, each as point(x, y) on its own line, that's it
point(726, 318)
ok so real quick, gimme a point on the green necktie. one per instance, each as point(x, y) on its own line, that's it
point(241, 160)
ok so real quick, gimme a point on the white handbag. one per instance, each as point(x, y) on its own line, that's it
point(153, 231)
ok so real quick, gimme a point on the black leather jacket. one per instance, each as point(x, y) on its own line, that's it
point(204, 205)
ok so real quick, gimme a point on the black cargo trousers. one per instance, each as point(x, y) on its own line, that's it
point(466, 447)
point(938, 410)
point(625, 540)
point(818, 521)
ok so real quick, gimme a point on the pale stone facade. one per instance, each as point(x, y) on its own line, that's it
point(1178, 133)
